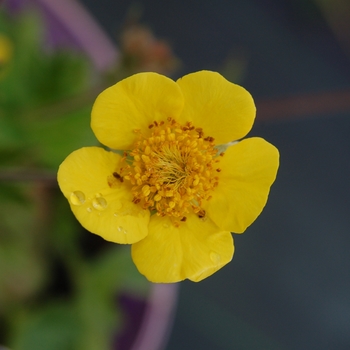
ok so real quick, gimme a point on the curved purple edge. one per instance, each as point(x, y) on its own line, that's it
point(69, 23)
point(133, 309)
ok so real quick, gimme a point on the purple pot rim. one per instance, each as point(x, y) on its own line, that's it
point(85, 31)
point(158, 319)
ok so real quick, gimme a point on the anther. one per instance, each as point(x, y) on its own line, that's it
point(117, 176)
point(173, 170)
point(201, 213)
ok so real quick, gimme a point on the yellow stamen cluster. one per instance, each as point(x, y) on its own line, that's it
point(173, 170)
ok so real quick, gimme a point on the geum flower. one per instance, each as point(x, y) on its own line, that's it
point(176, 192)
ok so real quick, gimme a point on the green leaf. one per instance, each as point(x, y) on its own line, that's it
point(12, 196)
point(21, 274)
point(53, 139)
point(55, 326)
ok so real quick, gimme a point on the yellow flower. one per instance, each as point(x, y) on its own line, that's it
point(176, 192)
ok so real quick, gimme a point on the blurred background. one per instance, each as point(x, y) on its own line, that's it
point(288, 285)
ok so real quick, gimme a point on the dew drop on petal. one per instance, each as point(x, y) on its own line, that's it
point(215, 257)
point(120, 228)
point(77, 198)
point(143, 213)
point(125, 212)
point(89, 209)
point(99, 203)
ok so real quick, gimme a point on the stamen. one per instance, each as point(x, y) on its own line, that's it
point(173, 171)
point(117, 176)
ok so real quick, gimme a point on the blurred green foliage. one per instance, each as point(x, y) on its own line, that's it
point(34, 89)
point(46, 96)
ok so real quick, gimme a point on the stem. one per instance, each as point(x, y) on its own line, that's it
point(28, 175)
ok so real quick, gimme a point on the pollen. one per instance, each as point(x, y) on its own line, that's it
point(173, 170)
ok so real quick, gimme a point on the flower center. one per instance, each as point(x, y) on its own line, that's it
point(173, 171)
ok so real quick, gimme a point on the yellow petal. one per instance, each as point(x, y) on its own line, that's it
point(104, 210)
point(225, 111)
point(131, 104)
point(248, 169)
point(194, 250)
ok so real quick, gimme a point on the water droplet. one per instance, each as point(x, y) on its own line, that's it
point(99, 203)
point(125, 212)
point(125, 232)
point(120, 228)
point(165, 225)
point(215, 257)
point(141, 213)
point(77, 198)
point(115, 214)
point(89, 209)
